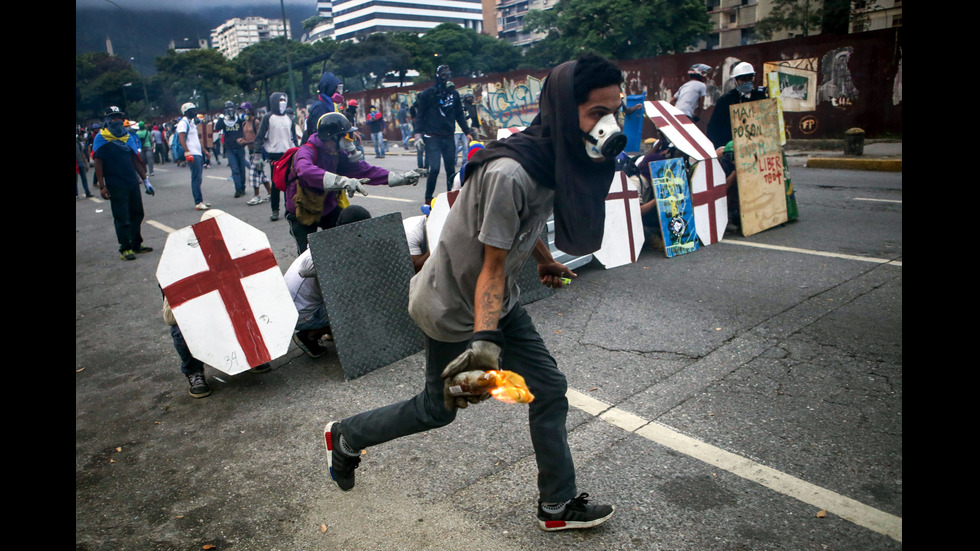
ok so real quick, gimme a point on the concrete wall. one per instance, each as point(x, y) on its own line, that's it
point(829, 84)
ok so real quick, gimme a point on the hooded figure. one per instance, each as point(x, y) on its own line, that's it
point(552, 152)
point(323, 104)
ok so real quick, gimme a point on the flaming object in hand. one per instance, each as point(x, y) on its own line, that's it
point(503, 385)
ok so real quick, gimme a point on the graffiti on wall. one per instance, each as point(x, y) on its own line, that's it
point(509, 103)
point(797, 83)
point(837, 86)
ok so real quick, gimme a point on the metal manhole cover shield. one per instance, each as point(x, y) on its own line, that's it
point(364, 269)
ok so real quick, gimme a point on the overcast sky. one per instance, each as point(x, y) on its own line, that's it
point(185, 5)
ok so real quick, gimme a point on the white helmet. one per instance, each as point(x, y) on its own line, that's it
point(742, 69)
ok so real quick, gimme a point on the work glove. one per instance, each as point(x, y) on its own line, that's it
point(336, 182)
point(482, 354)
point(409, 178)
point(149, 188)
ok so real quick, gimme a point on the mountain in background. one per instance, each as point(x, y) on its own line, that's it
point(143, 35)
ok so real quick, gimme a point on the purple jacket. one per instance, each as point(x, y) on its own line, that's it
point(310, 174)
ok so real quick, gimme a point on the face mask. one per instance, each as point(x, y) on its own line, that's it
point(282, 107)
point(117, 128)
point(605, 141)
point(744, 88)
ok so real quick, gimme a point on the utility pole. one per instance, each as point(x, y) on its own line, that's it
point(289, 60)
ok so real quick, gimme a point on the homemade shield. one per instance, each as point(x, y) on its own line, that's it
point(227, 294)
point(623, 237)
point(364, 269)
point(709, 195)
point(759, 165)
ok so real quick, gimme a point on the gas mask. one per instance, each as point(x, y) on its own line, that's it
point(744, 88)
point(605, 141)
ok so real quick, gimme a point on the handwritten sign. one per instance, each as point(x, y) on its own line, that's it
point(759, 165)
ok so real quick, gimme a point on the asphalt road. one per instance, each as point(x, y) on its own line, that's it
point(747, 396)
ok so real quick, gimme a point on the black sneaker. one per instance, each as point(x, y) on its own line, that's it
point(340, 464)
point(577, 514)
point(264, 368)
point(199, 387)
point(308, 344)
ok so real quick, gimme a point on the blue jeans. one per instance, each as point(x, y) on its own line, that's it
point(188, 363)
point(236, 160)
point(379, 143)
point(524, 353)
point(438, 148)
point(197, 173)
point(406, 133)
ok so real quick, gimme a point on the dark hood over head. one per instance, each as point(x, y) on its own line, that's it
point(274, 100)
point(328, 84)
point(552, 152)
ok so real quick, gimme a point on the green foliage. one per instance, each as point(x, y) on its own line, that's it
point(618, 29)
point(102, 80)
point(801, 15)
point(467, 52)
point(202, 76)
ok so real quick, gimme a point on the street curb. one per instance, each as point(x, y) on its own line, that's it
point(885, 165)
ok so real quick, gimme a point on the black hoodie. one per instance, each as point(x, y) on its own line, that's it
point(553, 153)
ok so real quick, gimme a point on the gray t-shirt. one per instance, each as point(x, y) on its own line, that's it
point(500, 206)
point(689, 96)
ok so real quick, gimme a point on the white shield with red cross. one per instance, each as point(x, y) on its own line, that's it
point(709, 195)
point(623, 234)
point(708, 189)
point(680, 130)
point(227, 294)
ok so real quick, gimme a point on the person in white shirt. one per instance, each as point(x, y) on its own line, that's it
point(690, 96)
point(194, 152)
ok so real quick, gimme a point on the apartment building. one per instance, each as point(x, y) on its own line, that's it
point(733, 21)
point(232, 36)
point(355, 18)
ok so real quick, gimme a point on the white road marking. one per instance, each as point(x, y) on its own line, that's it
point(842, 506)
point(887, 261)
point(159, 226)
point(878, 200)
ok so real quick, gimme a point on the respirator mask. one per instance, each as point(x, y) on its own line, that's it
point(744, 88)
point(605, 141)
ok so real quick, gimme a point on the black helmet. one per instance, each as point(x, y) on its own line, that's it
point(332, 125)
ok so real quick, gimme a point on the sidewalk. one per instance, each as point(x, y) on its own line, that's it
point(883, 156)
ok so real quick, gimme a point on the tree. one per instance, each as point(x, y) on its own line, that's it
point(364, 65)
point(200, 76)
point(102, 80)
point(804, 16)
point(618, 29)
point(467, 52)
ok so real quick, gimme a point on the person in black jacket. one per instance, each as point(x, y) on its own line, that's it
point(720, 125)
point(720, 130)
point(440, 109)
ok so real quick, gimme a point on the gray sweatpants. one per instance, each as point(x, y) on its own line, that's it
point(524, 352)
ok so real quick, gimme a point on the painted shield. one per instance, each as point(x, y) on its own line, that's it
point(709, 195)
point(227, 293)
point(623, 234)
point(680, 130)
